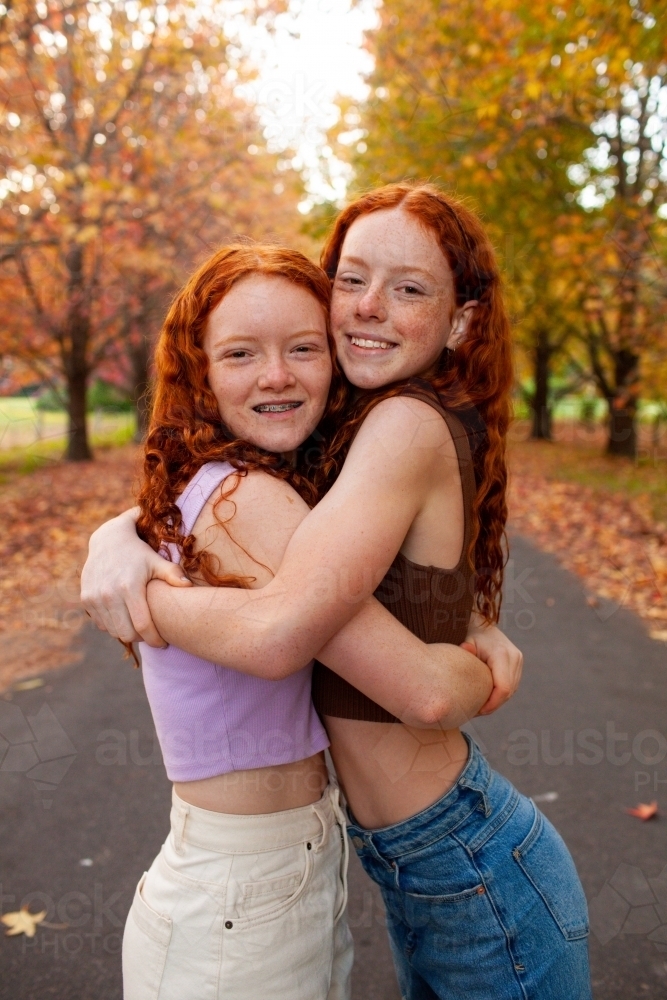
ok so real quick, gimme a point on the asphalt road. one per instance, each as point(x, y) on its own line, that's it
point(586, 736)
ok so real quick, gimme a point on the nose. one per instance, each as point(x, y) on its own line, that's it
point(276, 375)
point(371, 304)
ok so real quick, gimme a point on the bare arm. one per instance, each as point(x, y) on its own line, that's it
point(420, 684)
point(335, 560)
point(424, 685)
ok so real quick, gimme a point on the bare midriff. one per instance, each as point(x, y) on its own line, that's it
point(260, 790)
point(389, 771)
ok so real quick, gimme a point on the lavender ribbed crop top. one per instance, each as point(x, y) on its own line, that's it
point(211, 719)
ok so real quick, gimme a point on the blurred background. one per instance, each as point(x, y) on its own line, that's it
point(135, 136)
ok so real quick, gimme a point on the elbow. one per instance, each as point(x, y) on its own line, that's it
point(430, 712)
point(279, 665)
point(437, 713)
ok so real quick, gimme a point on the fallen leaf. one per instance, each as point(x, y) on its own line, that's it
point(34, 682)
point(644, 811)
point(22, 922)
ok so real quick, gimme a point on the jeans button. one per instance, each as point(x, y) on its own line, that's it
point(358, 842)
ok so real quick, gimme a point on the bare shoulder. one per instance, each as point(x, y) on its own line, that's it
point(249, 520)
point(409, 431)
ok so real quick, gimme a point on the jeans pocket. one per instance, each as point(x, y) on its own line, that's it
point(442, 872)
point(145, 946)
point(548, 865)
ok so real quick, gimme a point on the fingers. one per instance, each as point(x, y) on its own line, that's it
point(491, 705)
point(109, 612)
point(170, 572)
point(124, 616)
point(470, 646)
point(506, 669)
point(497, 698)
point(141, 622)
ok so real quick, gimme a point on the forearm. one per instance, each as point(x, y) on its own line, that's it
point(335, 559)
point(253, 631)
point(424, 685)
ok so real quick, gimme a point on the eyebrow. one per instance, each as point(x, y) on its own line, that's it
point(244, 338)
point(393, 270)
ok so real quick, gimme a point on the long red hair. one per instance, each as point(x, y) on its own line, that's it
point(476, 377)
point(185, 429)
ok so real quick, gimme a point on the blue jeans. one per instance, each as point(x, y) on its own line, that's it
point(483, 899)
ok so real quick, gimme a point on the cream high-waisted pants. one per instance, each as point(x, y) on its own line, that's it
point(243, 908)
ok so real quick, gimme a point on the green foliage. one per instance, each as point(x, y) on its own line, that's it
point(319, 220)
point(101, 396)
point(519, 108)
point(51, 401)
point(104, 396)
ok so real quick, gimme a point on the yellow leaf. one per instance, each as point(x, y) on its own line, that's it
point(22, 922)
point(533, 90)
point(488, 111)
point(86, 234)
point(33, 682)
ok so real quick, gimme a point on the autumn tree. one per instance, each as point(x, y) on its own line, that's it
point(124, 153)
point(551, 120)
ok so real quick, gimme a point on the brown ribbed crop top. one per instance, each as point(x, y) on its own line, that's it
point(434, 604)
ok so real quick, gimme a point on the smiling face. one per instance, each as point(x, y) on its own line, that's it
point(269, 361)
point(393, 310)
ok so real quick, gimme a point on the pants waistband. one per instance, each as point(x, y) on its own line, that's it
point(470, 792)
point(229, 833)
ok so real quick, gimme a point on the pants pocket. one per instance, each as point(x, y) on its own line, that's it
point(145, 946)
point(259, 900)
point(547, 863)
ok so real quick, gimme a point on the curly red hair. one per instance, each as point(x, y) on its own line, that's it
point(477, 376)
point(185, 429)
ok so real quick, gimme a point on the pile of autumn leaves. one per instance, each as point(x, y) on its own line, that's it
point(609, 541)
point(48, 517)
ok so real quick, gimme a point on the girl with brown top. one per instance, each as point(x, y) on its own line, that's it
point(482, 896)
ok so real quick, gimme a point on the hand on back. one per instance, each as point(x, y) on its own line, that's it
point(115, 576)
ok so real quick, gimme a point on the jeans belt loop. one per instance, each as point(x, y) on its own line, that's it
point(342, 826)
point(325, 830)
point(368, 837)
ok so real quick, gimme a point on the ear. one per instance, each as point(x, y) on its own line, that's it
point(460, 324)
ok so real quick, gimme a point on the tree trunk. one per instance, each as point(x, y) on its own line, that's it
point(631, 239)
point(75, 360)
point(623, 406)
point(140, 357)
point(541, 427)
point(78, 448)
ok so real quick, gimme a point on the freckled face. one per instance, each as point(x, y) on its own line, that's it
point(269, 361)
point(393, 299)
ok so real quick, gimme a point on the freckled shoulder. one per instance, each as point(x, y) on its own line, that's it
point(260, 516)
point(407, 427)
